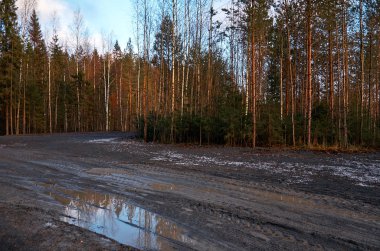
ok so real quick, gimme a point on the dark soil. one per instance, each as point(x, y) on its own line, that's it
point(221, 198)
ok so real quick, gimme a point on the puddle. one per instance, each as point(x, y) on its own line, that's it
point(122, 221)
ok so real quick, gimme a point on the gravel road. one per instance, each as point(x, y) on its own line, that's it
point(98, 191)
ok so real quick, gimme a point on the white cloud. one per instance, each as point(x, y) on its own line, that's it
point(98, 17)
point(97, 40)
point(45, 10)
point(47, 7)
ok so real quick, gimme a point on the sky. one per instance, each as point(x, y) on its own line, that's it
point(100, 16)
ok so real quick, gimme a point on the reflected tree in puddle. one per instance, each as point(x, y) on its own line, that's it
point(122, 221)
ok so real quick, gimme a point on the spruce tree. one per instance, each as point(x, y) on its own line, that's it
point(57, 81)
point(39, 63)
point(10, 45)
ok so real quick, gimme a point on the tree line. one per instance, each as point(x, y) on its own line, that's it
point(236, 72)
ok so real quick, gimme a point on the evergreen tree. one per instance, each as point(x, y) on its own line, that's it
point(37, 91)
point(302, 73)
point(57, 79)
point(10, 51)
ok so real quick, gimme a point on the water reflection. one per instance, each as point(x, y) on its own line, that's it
point(124, 222)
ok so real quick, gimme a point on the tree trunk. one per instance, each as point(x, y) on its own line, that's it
point(370, 112)
point(309, 84)
point(253, 78)
point(377, 103)
point(6, 119)
point(331, 76)
point(19, 100)
point(291, 81)
point(24, 102)
point(174, 29)
point(49, 97)
point(209, 65)
point(108, 91)
point(345, 76)
point(281, 77)
point(122, 128)
point(130, 102)
point(65, 103)
point(11, 97)
point(145, 48)
point(361, 72)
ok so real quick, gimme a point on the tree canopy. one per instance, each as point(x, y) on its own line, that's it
point(248, 73)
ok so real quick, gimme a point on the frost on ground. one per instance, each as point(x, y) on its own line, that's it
point(117, 145)
point(12, 145)
point(362, 171)
point(108, 140)
point(365, 174)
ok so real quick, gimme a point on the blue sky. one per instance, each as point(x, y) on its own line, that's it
point(107, 16)
point(100, 16)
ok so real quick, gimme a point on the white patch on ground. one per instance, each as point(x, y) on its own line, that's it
point(130, 146)
point(13, 145)
point(159, 159)
point(175, 155)
point(49, 224)
point(19, 145)
point(362, 185)
point(109, 140)
point(363, 172)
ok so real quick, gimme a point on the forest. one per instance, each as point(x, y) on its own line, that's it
point(241, 73)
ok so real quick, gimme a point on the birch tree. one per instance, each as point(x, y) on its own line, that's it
point(77, 29)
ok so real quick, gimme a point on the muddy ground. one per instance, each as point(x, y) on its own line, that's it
point(109, 191)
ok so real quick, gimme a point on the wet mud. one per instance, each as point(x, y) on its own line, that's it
point(108, 191)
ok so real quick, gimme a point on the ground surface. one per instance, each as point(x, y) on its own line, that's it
point(152, 196)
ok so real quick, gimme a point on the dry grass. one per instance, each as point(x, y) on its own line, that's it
point(339, 149)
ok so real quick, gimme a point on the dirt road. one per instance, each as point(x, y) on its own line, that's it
point(62, 191)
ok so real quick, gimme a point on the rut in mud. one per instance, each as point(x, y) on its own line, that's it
point(64, 190)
